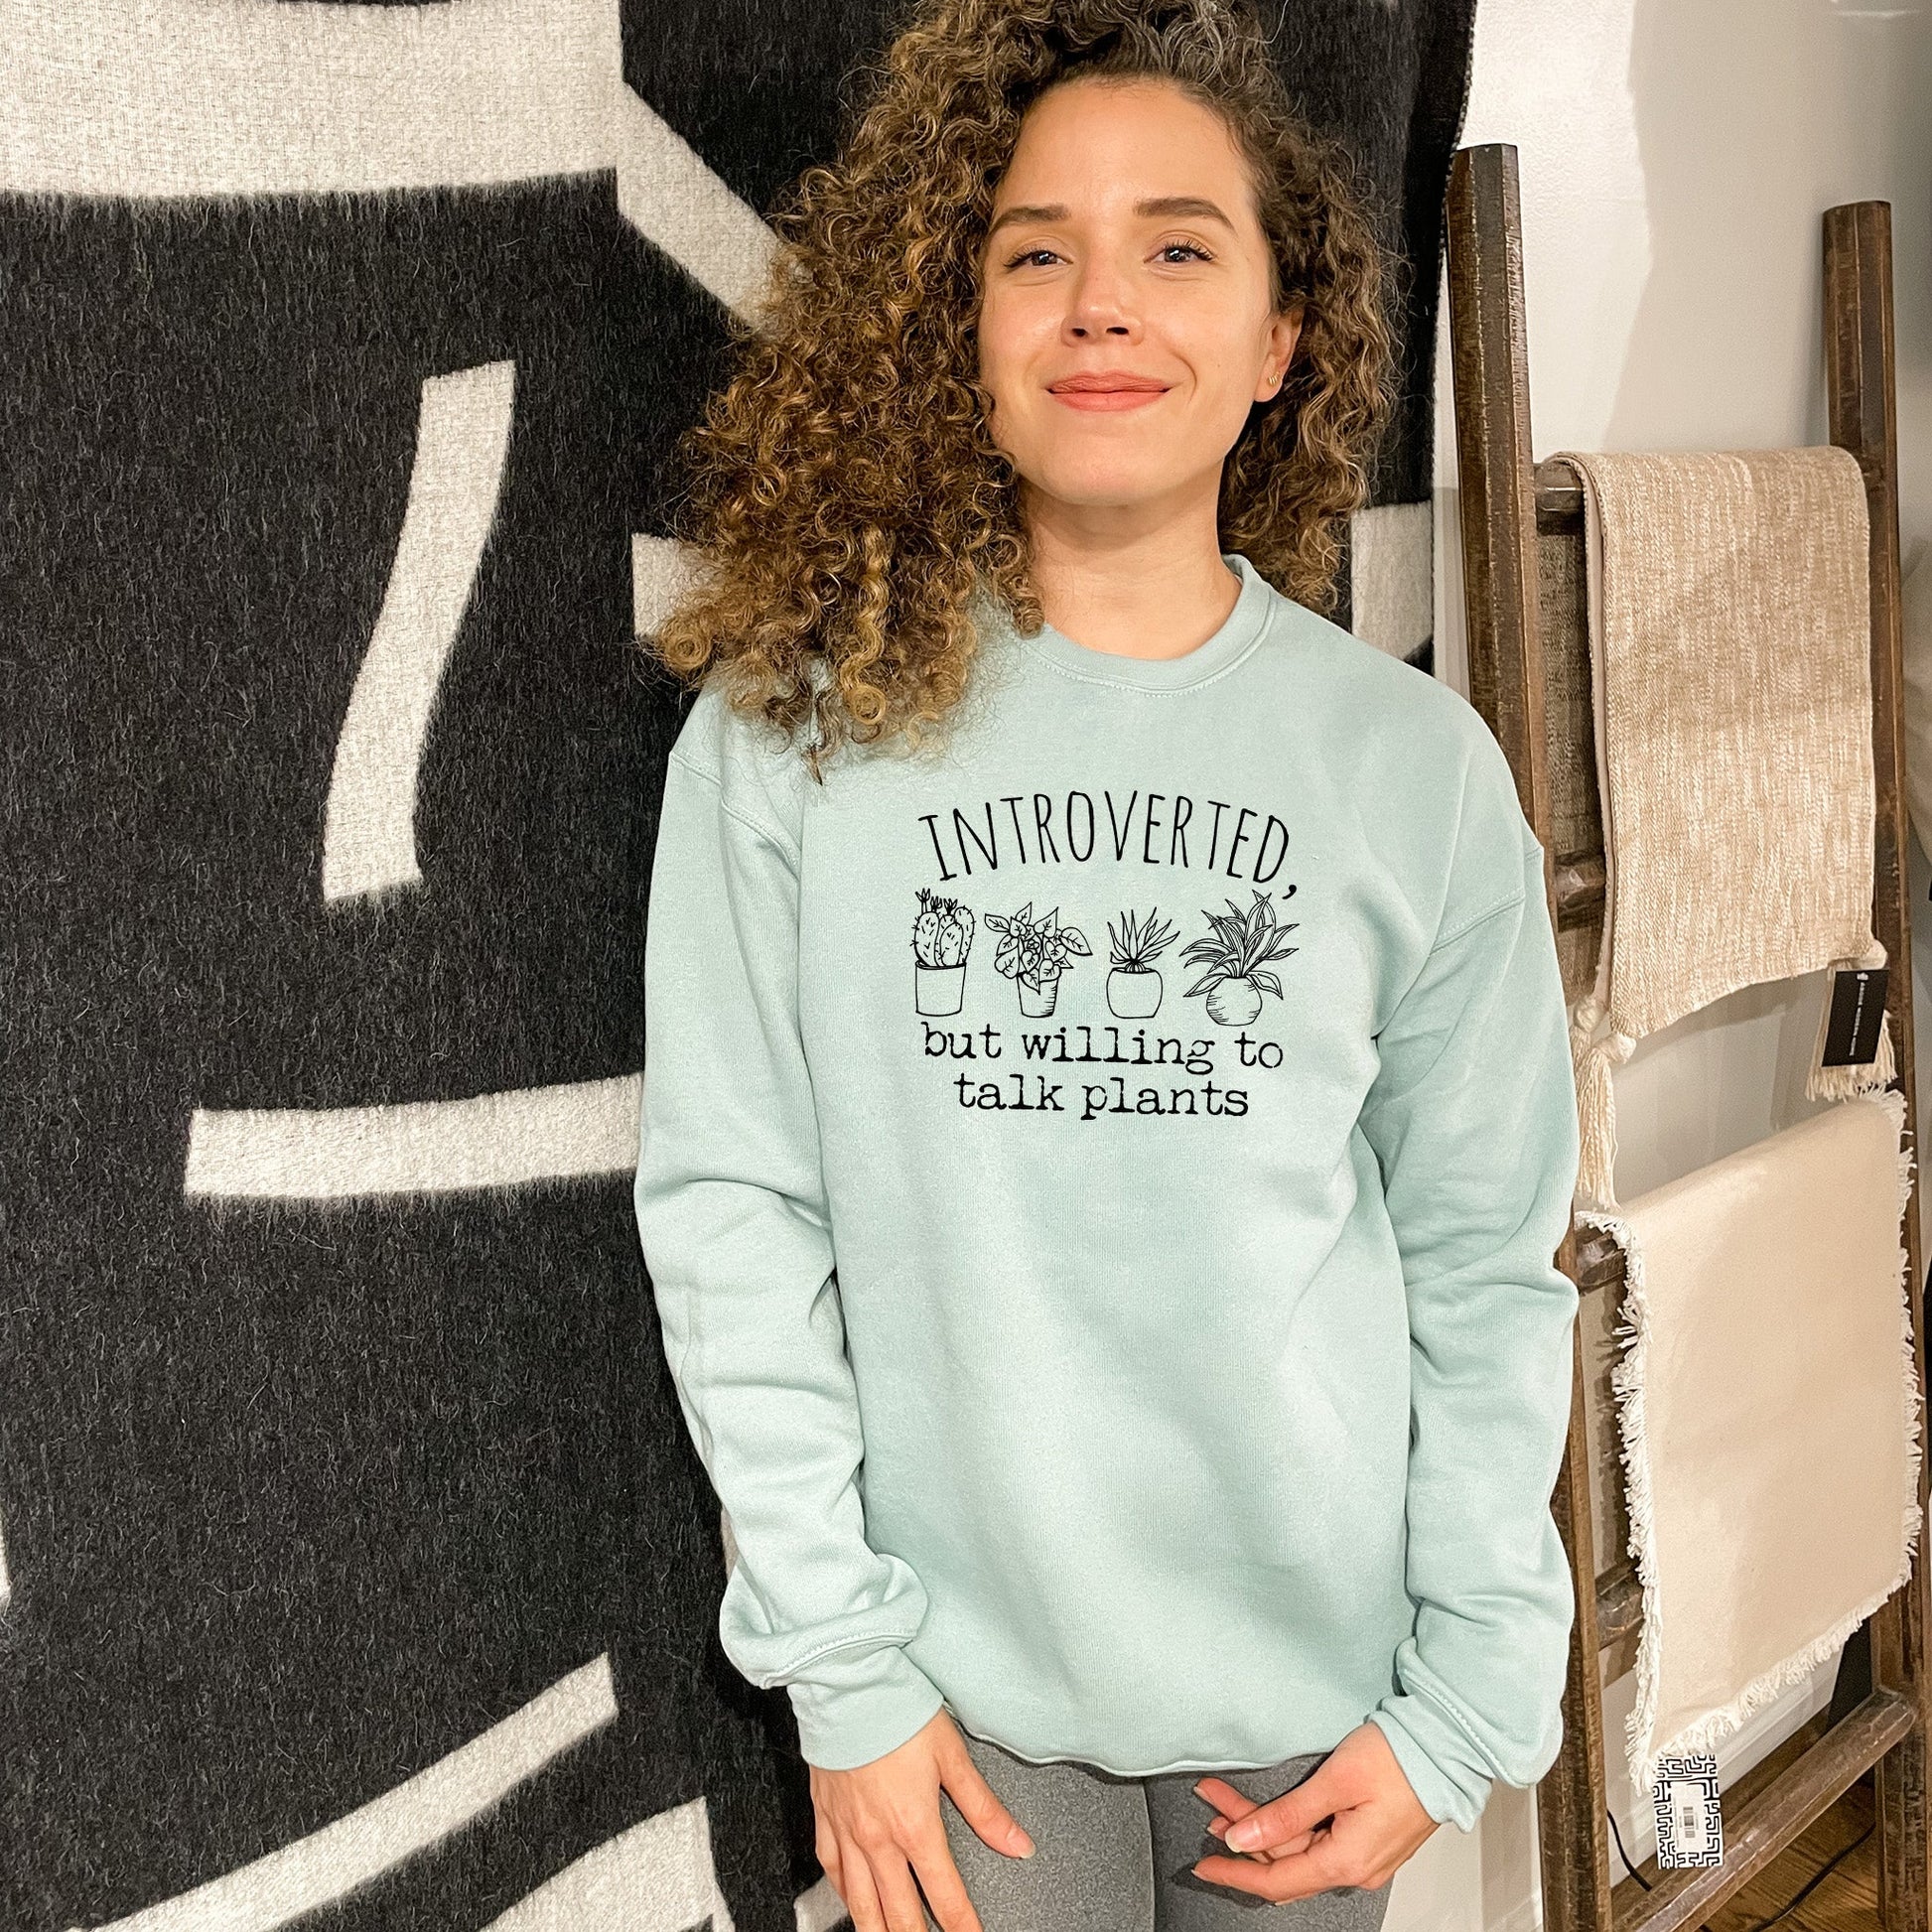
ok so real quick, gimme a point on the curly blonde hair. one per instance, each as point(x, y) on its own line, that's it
point(846, 498)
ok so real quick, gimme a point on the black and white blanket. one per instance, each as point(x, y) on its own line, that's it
point(356, 1567)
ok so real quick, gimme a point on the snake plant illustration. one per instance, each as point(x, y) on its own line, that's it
point(1034, 952)
point(1235, 954)
point(942, 936)
point(1134, 986)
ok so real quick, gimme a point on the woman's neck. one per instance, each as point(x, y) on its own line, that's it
point(1154, 596)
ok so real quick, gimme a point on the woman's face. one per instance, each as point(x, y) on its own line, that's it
point(1124, 326)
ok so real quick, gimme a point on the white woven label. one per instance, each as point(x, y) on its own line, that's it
point(1690, 1816)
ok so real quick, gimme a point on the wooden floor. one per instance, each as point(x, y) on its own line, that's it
point(1848, 1900)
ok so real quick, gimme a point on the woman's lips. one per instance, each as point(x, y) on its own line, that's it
point(1129, 397)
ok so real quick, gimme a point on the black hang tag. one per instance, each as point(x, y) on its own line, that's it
point(1858, 1006)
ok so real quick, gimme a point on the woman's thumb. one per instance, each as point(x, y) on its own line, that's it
point(1299, 1809)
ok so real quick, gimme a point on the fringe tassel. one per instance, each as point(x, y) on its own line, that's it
point(1628, 1376)
point(1894, 1102)
point(1824, 1082)
point(1592, 1061)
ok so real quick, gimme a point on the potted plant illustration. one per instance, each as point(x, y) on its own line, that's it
point(1134, 985)
point(1235, 956)
point(942, 935)
point(1033, 953)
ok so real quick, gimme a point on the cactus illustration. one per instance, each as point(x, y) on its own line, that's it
point(942, 936)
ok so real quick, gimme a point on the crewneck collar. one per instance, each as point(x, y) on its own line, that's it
point(1239, 632)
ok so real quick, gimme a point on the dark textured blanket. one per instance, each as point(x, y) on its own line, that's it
point(355, 1567)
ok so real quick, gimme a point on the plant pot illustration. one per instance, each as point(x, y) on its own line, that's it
point(1033, 953)
point(1134, 986)
point(1233, 1003)
point(1037, 999)
point(939, 989)
point(1133, 992)
point(942, 936)
point(1235, 954)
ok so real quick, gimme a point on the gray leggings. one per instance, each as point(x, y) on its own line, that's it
point(1112, 1853)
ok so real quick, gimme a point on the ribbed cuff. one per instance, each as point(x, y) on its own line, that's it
point(1433, 1755)
point(858, 1703)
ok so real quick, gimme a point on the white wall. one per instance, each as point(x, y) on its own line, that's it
point(1676, 157)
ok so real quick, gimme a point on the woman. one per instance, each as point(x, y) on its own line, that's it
point(1108, 1115)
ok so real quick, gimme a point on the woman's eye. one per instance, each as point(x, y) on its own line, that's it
point(1027, 256)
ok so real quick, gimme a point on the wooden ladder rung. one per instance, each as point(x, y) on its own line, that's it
point(1619, 1603)
point(1580, 880)
point(1559, 499)
point(1772, 1820)
point(1600, 1261)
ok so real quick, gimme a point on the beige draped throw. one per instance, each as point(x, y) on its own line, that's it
point(1728, 619)
point(1769, 1411)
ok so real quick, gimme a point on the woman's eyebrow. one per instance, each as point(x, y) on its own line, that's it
point(1174, 205)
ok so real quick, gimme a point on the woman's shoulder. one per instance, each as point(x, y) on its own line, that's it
point(1384, 702)
point(1445, 793)
point(758, 773)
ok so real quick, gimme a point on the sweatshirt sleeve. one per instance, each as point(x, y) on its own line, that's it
point(1473, 1115)
point(734, 1225)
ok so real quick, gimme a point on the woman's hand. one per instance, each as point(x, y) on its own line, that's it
point(879, 1819)
point(1354, 1820)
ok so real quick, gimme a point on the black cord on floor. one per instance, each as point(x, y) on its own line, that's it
point(1622, 1853)
point(1810, 1887)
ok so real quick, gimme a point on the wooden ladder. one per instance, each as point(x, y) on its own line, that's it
point(1509, 507)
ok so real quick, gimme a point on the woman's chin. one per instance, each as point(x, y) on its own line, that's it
point(1125, 481)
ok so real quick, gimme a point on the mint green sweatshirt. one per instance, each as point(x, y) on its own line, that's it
point(1101, 1177)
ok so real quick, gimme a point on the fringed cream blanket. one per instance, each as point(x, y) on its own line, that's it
point(1729, 609)
point(1769, 1407)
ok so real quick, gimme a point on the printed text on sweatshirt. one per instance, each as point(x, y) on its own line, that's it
point(1101, 1177)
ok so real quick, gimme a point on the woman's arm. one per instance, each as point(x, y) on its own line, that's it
point(1473, 1118)
point(733, 1218)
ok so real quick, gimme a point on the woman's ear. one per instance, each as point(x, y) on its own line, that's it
point(1283, 334)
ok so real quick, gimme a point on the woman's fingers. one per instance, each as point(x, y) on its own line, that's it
point(860, 1897)
point(880, 1822)
point(1295, 1814)
point(945, 1890)
point(879, 1890)
point(1219, 1826)
point(1289, 1875)
point(1355, 1820)
point(979, 1804)
point(899, 1897)
point(1362, 1847)
point(1235, 1805)
point(1225, 1799)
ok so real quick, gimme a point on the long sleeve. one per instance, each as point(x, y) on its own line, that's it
point(734, 1229)
point(1473, 1116)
